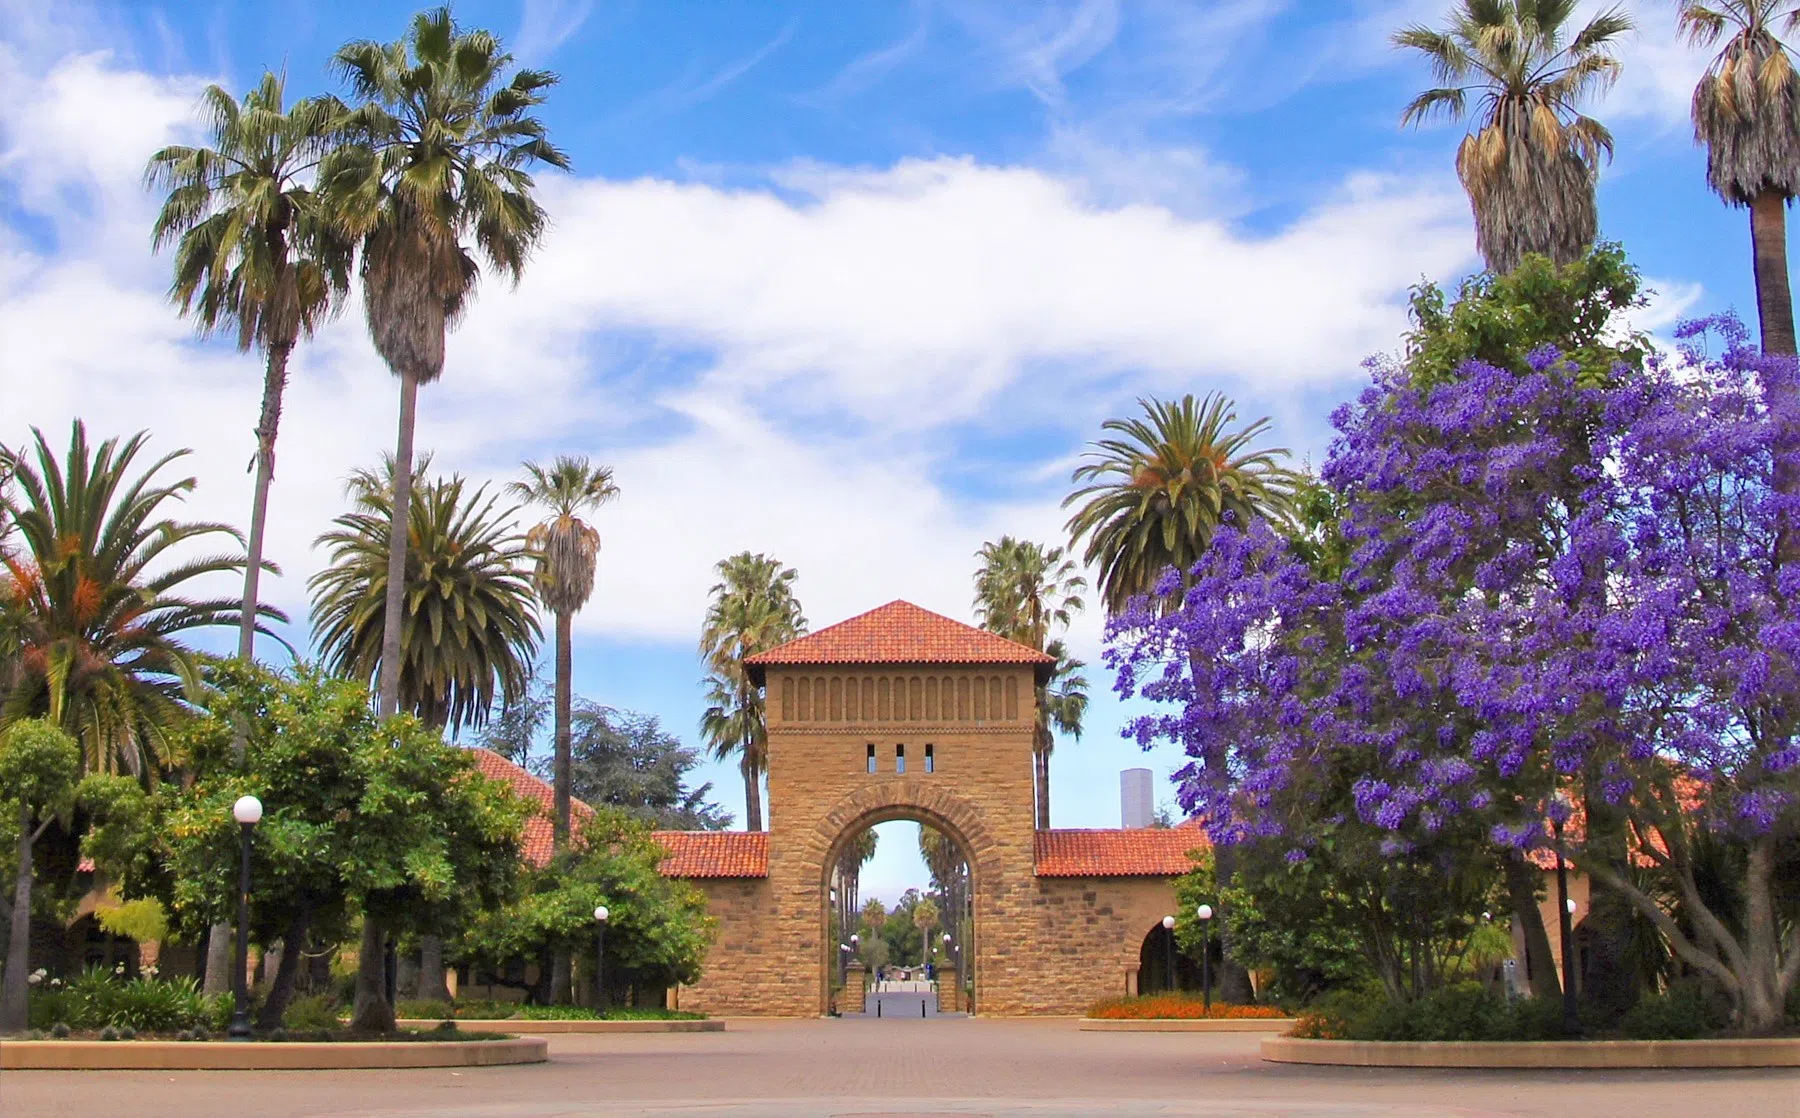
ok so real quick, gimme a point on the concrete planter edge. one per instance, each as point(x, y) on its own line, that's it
point(1781, 1052)
point(1186, 1025)
point(547, 1028)
point(205, 1055)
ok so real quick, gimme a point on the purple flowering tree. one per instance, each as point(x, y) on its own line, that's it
point(1552, 585)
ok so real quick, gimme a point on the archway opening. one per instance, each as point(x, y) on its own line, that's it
point(901, 930)
point(1164, 968)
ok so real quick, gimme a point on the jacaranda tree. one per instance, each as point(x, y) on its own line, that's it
point(1622, 629)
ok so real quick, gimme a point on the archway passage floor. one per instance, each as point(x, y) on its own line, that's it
point(856, 1067)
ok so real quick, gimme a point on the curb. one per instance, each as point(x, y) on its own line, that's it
point(545, 1028)
point(1186, 1024)
point(203, 1055)
point(1544, 1055)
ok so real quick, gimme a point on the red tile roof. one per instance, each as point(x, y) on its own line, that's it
point(715, 853)
point(539, 840)
point(899, 633)
point(1145, 852)
point(1689, 793)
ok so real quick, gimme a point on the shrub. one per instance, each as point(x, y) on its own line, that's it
point(1682, 1013)
point(310, 1014)
point(422, 1010)
point(98, 998)
point(1178, 1006)
point(1465, 1012)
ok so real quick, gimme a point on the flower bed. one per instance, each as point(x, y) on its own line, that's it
point(1179, 1007)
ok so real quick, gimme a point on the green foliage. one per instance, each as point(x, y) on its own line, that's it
point(1503, 319)
point(143, 920)
point(99, 998)
point(519, 1011)
point(312, 1013)
point(1461, 1012)
point(39, 767)
point(1683, 1012)
point(657, 930)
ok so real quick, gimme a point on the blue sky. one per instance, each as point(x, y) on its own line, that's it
point(852, 284)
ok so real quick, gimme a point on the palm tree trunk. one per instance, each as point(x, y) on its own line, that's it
point(563, 775)
point(372, 1012)
point(1774, 301)
point(274, 385)
point(1041, 762)
point(752, 794)
point(218, 960)
point(14, 989)
point(393, 618)
point(1540, 965)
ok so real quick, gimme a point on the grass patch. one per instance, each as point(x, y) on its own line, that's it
point(519, 1011)
point(1177, 1007)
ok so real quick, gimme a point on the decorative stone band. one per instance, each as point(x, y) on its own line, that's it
point(171, 1055)
point(1783, 1052)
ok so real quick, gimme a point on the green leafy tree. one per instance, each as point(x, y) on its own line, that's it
point(1530, 164)
point(95, 601)
point(471, 625)
point(1503, 319)
point(567, 550)
point(625, 760)
point(752, 609)
point(847, 879)
point(1156, 492)
point(657, 929)
point(41, 786)
point(437, 154)
point(255, 252)
point(925, 917)
point(1028, 593)
point(1747, 114)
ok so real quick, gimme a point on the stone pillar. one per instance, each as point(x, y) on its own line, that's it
point(949, 991)
point(852, 998)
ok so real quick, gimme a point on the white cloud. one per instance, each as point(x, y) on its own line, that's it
point(782, 369)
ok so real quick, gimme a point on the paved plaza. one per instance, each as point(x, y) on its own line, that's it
point(957, 1066)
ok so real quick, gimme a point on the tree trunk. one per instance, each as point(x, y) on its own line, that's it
point(287, 968)
point(1609, 980)
point(563, 775)
point(562, 977)
point(1774, 301)
point(753, 820)
point(218, 960)
point(1521, 892)
point(432, 986)
point(274, 384)
point(393, 614)
point(1233, 978)
point(1761, 999)
point(15, 989)
point(1041, 762)
point(372, 1012)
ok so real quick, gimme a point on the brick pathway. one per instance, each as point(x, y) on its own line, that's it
point(857, 1067)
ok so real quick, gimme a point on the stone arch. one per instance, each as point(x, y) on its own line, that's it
point(919, 801)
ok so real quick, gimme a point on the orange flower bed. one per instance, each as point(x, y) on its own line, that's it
point(1176, 1006)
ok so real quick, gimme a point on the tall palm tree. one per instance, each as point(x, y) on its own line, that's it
point(93, 592)
point(567, 550)
point(753, 608)
point(438, 153)
point(254, 252)
point(1530, 165)
point(1156, 493)
point(1029, 594)
point(925, 918)
point(1747, 113)
point(848, 873)
point(471, 624)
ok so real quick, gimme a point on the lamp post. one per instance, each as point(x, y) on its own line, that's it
point(1564, 909)
point(248, 812)
point(1169, 927)
point(1204, 912)
point(600, 915)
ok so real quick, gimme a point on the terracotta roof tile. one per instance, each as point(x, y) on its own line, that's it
point(715, 853)
point(899, 633)
point(1690, 793)
point(539, 840)
point(1145, 852)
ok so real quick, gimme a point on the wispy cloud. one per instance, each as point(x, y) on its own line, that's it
point(866, 70)
point(692, 89)
point(546, 25)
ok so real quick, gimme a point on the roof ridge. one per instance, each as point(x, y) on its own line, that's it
point(901, 632)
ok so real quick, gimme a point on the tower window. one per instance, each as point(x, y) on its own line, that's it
point(930, 761)
point(899, 758)
point(871, 756)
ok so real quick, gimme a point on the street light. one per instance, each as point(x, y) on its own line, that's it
point(600, 915)
point(1204, 912)
point(248, 813)
point(1169, 926)
point(1565, 909)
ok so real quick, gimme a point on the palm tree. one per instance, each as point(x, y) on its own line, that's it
point(567, 551)
point(753, 609)
point(1029, 594)
point(925, 918)
point(1529, 167)
point(471, 626)
point(1156, 494)
point(848, 873)
point(438, 152)
point(94, 604)
point(1747, 113)
point(254, 251)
